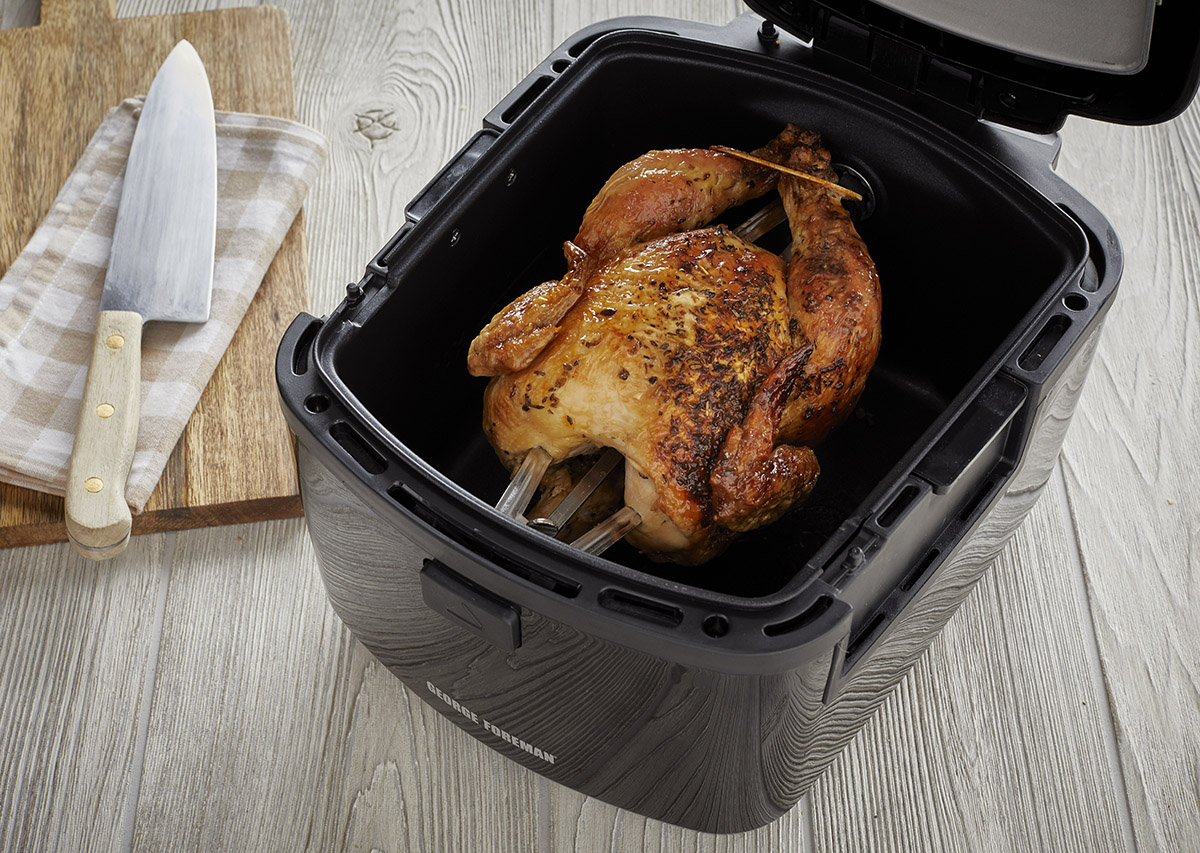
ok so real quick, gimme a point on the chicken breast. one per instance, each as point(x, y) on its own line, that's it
point(687, 349)
point(676, 355)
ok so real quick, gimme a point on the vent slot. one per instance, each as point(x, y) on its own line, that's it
point(919, 572)
point(1045, 342)
point(645, 609)
point(557, 586)
point(417, 507)
point(814, 611)
point(527, 97)
point(866, 634)
point(369, 459)
point(976, 499)
point(1075, 302)
point(902, 502)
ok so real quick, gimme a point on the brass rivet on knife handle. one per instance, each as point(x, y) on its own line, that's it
point(751, 158)
point(97, 517)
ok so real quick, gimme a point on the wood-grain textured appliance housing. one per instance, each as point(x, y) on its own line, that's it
point(710, 697)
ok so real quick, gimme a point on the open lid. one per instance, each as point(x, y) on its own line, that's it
point(1023, 63)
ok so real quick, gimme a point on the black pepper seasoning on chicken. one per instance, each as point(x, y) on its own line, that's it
point(680, 346)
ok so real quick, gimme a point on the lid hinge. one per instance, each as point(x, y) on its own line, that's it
point(908, 71)
point(896, 63)
point(1006, 63)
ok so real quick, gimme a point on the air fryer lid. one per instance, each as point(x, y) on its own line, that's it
point(1026, 64)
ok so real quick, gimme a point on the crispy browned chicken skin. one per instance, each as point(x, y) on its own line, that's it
point(665, 192)
point(833, 295)
point(659, 193)
point(680, 348)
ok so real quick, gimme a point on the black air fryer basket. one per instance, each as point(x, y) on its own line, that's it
point(712, 697)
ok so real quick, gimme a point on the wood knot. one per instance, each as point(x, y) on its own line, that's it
point(376, 125)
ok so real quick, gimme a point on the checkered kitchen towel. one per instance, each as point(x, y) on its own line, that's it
point(50, 296)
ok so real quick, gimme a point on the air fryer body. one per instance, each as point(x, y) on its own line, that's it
point(713, 698)
point(702, 749)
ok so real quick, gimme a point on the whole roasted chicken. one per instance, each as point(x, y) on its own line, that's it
point(697, 355)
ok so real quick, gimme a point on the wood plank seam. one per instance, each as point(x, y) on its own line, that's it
point(133, 795)
point(1095, 658)
point(1023, 768)
point(808, 836)
point(543, 801)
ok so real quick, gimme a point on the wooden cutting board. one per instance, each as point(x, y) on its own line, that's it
point(234, 461)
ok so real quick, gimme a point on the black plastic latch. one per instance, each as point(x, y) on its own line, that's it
point(471, 607)
point(973, 434)
point(451, 174)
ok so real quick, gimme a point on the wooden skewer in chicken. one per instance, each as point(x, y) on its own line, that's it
point(676, 349)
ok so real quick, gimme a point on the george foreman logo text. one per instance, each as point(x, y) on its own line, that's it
point(494, 729)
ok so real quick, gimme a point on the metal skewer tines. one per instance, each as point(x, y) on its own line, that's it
point(529, 475)
point(609, 532)
point(762, 222)
point(583, 490)
point(523, 484)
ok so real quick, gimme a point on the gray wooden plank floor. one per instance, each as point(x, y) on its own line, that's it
point(199, 694)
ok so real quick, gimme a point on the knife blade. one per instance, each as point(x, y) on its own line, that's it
point(160, 268)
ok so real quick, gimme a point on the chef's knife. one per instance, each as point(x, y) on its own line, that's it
point(160, 268)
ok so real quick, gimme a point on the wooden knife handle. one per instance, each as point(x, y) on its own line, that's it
point(98, 519)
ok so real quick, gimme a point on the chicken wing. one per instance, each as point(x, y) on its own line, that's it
point(659, 193)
